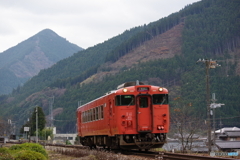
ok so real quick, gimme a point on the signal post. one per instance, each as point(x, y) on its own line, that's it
point(209, 63)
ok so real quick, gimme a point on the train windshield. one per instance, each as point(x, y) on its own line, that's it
point(160, 99)
point(124, 100)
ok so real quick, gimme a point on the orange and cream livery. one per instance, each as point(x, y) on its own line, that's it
point(135, 116)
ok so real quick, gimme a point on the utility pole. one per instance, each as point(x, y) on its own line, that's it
point(51, 101)
point(36, 125)
point(215, 105)
point(212, 112)
point(208, 64)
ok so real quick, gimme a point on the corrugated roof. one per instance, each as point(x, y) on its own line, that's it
point(233, 134)
point(228, 144)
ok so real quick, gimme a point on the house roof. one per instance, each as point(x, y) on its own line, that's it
point(233, 134)
point(225, 129)
point(228, 144)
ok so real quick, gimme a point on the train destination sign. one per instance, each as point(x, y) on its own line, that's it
point(143, 89)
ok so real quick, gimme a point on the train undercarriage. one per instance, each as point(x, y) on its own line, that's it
point(142, 141)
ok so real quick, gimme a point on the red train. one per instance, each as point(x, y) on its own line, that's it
point(135, 116)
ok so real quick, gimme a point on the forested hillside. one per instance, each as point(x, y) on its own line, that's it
point(210, 29)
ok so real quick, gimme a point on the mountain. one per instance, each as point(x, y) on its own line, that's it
point(161, 53)
point(25, 60)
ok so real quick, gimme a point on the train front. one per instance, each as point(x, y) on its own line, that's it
point(144, 115)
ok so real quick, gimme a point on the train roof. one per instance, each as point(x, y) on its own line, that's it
point(110, 92)
point(127, 84)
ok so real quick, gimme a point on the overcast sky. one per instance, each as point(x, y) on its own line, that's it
point(82, 22)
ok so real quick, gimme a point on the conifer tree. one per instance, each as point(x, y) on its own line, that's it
point(41, 120)
point(32, 122)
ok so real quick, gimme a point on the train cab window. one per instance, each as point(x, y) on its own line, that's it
point(143, 102)
point(124, 100)
point(160, 99)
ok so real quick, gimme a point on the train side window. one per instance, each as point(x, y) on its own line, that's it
point(99, 112)
point(89, 118)
point(102, 111)
point(124, 100)
point(160, 99)
point(83, 116)
point(96, 113)
point(89, 115)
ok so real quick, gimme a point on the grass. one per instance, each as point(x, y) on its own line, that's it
point(86, 154)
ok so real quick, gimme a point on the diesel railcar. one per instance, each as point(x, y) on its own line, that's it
point(134, 116)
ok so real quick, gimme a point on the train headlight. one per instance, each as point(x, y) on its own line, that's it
point(160, 89)
point(160, 127)
point(125, 90)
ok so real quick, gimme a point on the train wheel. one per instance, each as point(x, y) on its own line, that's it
point(93, 147)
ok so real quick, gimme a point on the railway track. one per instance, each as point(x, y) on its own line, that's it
point(186, 156)
point(151, 155)
point(173, 156)
point(159, 155)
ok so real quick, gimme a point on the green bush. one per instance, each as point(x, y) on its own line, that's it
point(5, 154)
point(31, 147)
point(29, 155)
point(68, 142)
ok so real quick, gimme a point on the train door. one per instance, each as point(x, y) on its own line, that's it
point(79, 122)
point(110, 116)
point(144, 113)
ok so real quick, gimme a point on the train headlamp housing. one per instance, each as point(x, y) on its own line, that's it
point(125, 90)
point(160, 127)
point(160, 89)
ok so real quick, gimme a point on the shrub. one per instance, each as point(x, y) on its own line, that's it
point(31, 147)
point(5, 154)
point(68, 142)
point(29, 155)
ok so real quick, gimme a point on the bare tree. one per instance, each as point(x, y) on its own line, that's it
point(2, 128)
point(5, 128)
point(188, 123)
